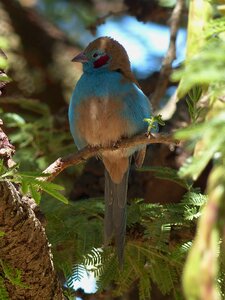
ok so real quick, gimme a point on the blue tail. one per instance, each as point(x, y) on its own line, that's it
point(115, 212)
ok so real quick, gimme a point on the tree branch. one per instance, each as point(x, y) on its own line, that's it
point(73, 159)
point(170, 55)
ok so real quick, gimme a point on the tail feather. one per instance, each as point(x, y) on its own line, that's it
point(115, 212)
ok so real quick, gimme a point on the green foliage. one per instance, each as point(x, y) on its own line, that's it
point(205, 66)
point(150, 259)
point(69, 294)
point(78, 272)
point(214, 27)
point(39, 137)
point(153, 121)
point(192, 100)
point(14, 275)
point(3, 59)
point(207, 242)
point(73, 230)
point(3, 63)
point(3, 291)
point(4, 78)
point(108, 270)
point(32, 183)
point(167, 3)
point(6, 173)
point(212, 137)
point(204, 69)
point(192, 205)
point(195, 71)
point(200, 13)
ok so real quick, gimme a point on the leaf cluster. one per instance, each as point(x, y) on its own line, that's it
point(205, 65)
point(201, 77)
point(151, 256)
point(35, 132)
point(32, 183)
point(211, 138)
point(73, 230)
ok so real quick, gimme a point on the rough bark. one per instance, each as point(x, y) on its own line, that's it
point(24, 245)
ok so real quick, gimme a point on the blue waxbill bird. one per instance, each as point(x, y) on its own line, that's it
point(107, 105)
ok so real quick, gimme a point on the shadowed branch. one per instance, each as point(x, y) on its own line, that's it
point(170, 55)
point(73, 159)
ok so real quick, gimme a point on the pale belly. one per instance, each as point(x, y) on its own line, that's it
point(100, 122)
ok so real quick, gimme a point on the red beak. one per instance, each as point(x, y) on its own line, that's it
point(80, 58)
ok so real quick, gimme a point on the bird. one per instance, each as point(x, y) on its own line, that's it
point(106, 106)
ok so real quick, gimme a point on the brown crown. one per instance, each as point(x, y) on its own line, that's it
point(119, 58)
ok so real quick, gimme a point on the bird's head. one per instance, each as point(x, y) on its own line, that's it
point(105, 53)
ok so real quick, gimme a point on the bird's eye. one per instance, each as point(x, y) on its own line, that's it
point(95, 54)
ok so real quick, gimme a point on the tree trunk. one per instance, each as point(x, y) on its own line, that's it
point(24, 247)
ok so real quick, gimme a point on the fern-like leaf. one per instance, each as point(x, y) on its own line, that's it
point(78, 272)
point(109, 272)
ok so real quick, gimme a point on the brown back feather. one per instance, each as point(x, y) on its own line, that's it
point(120, 60)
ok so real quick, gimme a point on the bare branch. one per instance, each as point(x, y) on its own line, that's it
point(73, 159)
point(170, 55)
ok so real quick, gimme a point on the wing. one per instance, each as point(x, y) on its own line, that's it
point(79, 141)
point(137, 107)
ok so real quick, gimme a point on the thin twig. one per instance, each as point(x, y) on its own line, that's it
point(73, 159)
point(170, 55)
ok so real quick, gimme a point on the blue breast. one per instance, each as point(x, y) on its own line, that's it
point(104, 85)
